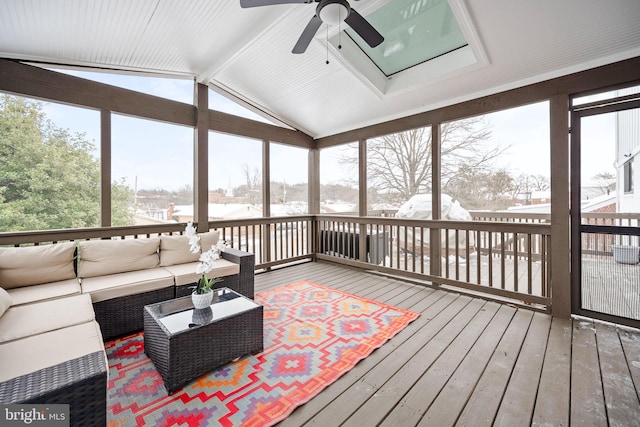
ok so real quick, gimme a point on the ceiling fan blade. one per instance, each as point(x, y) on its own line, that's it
point(257, 3)
point(307, 35)
point(364, 29)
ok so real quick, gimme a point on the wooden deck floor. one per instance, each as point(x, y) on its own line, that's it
point(467, 361)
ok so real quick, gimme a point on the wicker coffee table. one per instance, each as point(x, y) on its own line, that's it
point(185, 343)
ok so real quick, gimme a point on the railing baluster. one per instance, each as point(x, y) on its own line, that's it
point(502, 260)
point(490, 246)
point(446, 250)
point(529, 266)
point(398, 249)
point(467, 249)
point(516, 259)
point(457, 251)
point(479, 236)
point(422, 250)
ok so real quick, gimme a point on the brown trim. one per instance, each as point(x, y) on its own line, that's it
point(629, 104)
point(560, 225)
point(266, 198)
point(27, 80)
point(363, 203)
point(266, 178)
point(234, 125)
point(435, 265)
point(313, 193)
point(105, 168)
point(201, 158)
point(610, 75)
point(575, 210)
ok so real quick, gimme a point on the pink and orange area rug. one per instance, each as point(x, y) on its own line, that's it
point(312, 335)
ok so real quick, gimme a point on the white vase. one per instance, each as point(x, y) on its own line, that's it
point(202, 300)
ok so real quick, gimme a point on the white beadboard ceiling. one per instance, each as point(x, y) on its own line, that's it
point(247, 52)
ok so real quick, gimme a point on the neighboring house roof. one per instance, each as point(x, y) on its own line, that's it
point(147, 220)
point(240, 210)
point(589, 205)
point(338, 207)
point(599, 202)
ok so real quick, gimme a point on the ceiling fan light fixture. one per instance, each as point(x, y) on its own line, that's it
point(333, 13)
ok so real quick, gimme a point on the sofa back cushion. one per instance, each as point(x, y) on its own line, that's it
point(175, 250)
point(102, 257)
point(208, 240)
point(5, 301)
point(35, 265)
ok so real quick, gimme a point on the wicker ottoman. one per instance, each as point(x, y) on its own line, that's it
point(185, 343)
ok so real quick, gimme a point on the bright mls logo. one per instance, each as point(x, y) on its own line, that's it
point(34, 415)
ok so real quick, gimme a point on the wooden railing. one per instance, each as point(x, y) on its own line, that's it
point(508, 260)
point(502, 254)
point(532, 218)
point(600, 244)
point(274, 241)
point(505, 259)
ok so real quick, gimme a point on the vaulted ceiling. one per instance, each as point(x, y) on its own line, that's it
point(247, 52)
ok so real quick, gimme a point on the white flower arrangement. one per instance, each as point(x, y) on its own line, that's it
point(207, 259)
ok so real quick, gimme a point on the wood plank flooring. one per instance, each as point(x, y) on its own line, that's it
point(470, 362)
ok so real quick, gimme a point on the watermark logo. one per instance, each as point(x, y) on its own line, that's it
point(34, 415)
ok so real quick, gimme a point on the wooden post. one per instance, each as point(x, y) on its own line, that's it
point(266, 200)
point(363, 208)
point(314, 181)
point(435, 253)
point(314, 194)
point(105, 168)
point(362, 200)
point(560, 260)
point(201, 158)
point(266, 178)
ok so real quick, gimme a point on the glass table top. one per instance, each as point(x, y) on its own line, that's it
point(178, 315)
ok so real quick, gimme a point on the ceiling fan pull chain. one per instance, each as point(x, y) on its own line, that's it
point(339, 29)
point(327, 44)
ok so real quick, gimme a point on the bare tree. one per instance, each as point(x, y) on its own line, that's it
point(526, 184)
point(477, 187)
point(606, 181)
point(399, 165)
point(253, 180)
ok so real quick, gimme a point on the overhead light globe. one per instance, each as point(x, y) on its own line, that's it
point(333, 11)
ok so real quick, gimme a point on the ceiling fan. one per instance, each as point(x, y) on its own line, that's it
point(330, 12)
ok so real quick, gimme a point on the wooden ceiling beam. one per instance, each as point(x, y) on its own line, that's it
point(601, 78)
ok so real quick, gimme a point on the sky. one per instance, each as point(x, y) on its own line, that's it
point(148, 154)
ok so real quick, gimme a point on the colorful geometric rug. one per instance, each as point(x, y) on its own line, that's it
point(312, 335)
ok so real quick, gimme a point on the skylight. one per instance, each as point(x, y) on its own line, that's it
point(415, 31)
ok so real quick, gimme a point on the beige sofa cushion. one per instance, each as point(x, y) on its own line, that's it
point(208, 239)
point(48, 291)
point(21, 357)
point(175, 250)
point(118, 285)
point(34, 265)
point(103, 257)
point(5, 301)
point(185, 274)
point(33, 319)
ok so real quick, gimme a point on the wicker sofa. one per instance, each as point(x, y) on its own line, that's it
point(52, 351)
point(122, 276)
point(60, 302)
